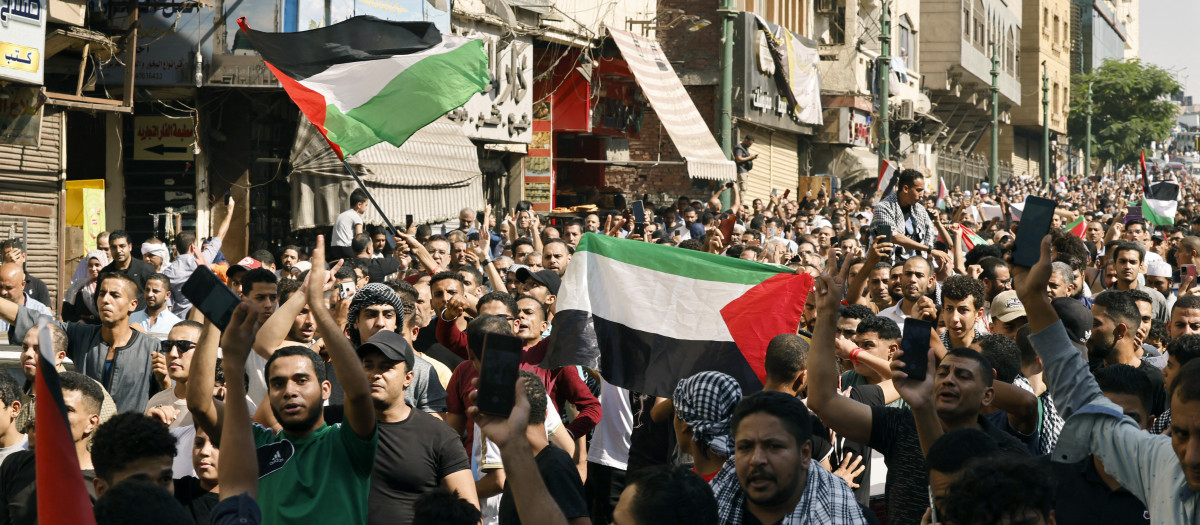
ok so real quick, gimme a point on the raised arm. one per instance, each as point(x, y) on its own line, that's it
point(202, 374)
point(239, 472)
point(224, 227)
point(420, 253)
point(919, 396)
point(360, 413)
point(875, 253)
point(8, 310)
point(841, 414)
point(273, 332)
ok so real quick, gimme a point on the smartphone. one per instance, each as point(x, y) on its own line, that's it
point(915, 344)
point(639, 212)
point(209, 295)
point(408, 220)
point(228, 197)
point(345, 289)
point(498, 373)
point(884, 230)
point(1034, 225)
point(774, 192)
point(473, 236)
point(729, 185)
point(726, 227)
point(787, 192)
point(1187, 271)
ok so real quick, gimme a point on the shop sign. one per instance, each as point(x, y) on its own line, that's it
point(21, 115)
point(539, 164)
point(846, 126)
point(163, 138)
point(22, 40)
point(503, 113)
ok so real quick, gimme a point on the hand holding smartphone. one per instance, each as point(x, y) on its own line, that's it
point(1034, 225)
point(498, 374)
point(209, 295)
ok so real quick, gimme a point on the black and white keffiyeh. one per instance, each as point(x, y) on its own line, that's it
point(705, 402)
point(372, 294)
point(827, 499)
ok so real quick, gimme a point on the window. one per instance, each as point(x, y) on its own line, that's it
point(907, 42)
point(1057, 33)
point(966, 21)
point(980, 23)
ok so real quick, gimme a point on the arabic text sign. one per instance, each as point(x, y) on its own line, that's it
point(163, 138)
point(20, 116)
point(22, 38)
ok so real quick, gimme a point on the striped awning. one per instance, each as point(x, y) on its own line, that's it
point(674, 107)
point(433, 176)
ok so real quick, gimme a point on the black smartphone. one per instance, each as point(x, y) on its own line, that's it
point(498, 373)
point(885, 230)
point(408, 220)
point(1034, 225)
point(208, 294)
point(915, 344)
point(639, 212)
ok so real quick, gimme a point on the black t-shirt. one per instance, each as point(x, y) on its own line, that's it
point(412, 458)
point(872, 396)
point(442, 355)
point(894, 434)
point(18, 488)
point(740, 151)
point(1159, 401)
point(650, 443)
point(562, 481)
point(37, 290)
point(379, 269)
point(198, 502)
point(1084, 498)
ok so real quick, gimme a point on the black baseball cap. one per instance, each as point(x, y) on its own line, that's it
point(1075, 318)
point(392, 345)
point(547, 278)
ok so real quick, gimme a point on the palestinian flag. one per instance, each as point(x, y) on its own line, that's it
point(62, 496)
point(970, 239)
point(887, 179)
point(1159, 199)
point(365, 80)
point(647, 315)
point(1077, 228)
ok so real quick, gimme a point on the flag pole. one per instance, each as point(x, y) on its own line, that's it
point(390, 240)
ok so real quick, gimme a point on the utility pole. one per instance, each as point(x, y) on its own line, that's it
point(1045, 125)
point(725, 129)
point(994, 169)
point(885, 73)
point(1087, 141)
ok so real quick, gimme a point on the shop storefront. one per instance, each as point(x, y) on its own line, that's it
point(776, 74)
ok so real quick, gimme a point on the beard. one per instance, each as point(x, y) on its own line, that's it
point(1101, 349)
point(297, 426)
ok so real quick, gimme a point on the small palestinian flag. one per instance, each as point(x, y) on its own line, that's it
point(970, 239)
point(365, 80)
point(62, 495)
point(887, 179)
point(1077, 228)
point(647, 315)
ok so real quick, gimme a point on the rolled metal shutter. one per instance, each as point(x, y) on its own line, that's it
point(30, 189)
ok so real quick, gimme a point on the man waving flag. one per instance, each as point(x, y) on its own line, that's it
point(647, 315)
point(365, 80)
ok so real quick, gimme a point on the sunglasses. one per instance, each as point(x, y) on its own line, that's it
point(183, 346)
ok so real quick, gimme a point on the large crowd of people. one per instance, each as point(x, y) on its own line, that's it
point(343, 389)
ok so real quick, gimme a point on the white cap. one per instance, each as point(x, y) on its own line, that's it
point(1158, 269)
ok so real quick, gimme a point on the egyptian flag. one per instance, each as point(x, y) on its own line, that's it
point(365, 80)
point(887, 179)
point(647, 315)
point(62, 496)
point(1077, 228)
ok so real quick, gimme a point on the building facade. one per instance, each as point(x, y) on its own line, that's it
point(1046, 50)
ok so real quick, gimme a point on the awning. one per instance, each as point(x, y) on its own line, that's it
point(432, 176)
point(674, 107)
point(855, 164)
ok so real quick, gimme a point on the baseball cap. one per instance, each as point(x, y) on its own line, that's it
point(1075, 318)
point(248, 264)
point(1006, 306)
point(302, 266)
point(547, 278)
point(1158, 269)
point(391, 344)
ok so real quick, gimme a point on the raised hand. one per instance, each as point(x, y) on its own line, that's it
point(238, 338)
point(916, 393)
point(850, 468)
point(158, 365)
point(499, 429)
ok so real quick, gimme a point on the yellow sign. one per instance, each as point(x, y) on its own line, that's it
point(163, 138)
point(20, 58)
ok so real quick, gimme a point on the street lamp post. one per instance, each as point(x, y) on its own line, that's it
point(725, 127)
point(1045, 125)
point(994, 170)
point(1087, 141)
point(885, 72)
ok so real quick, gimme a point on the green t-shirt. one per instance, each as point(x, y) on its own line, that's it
point(323, 478)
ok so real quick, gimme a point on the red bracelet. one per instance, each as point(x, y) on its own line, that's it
point(854, 355)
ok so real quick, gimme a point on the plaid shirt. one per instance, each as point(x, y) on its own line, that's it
point(827, 500)
point(889, 212)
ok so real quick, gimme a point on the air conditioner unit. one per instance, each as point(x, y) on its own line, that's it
point(826, 6)
point(906, 111)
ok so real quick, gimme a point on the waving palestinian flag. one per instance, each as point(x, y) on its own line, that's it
point(1077, 228)
point(365, 80)
point(647, 315)
point(1160, 199)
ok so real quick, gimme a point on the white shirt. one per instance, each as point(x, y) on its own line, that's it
point(343, 228)
point(895, 314)
point(163, 322)
point(610, 441)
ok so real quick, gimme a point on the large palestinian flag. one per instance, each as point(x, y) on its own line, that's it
point(365, 80)
point(647, 315)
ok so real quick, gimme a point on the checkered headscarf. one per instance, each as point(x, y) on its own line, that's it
point(372, 294)
point(705, 402)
